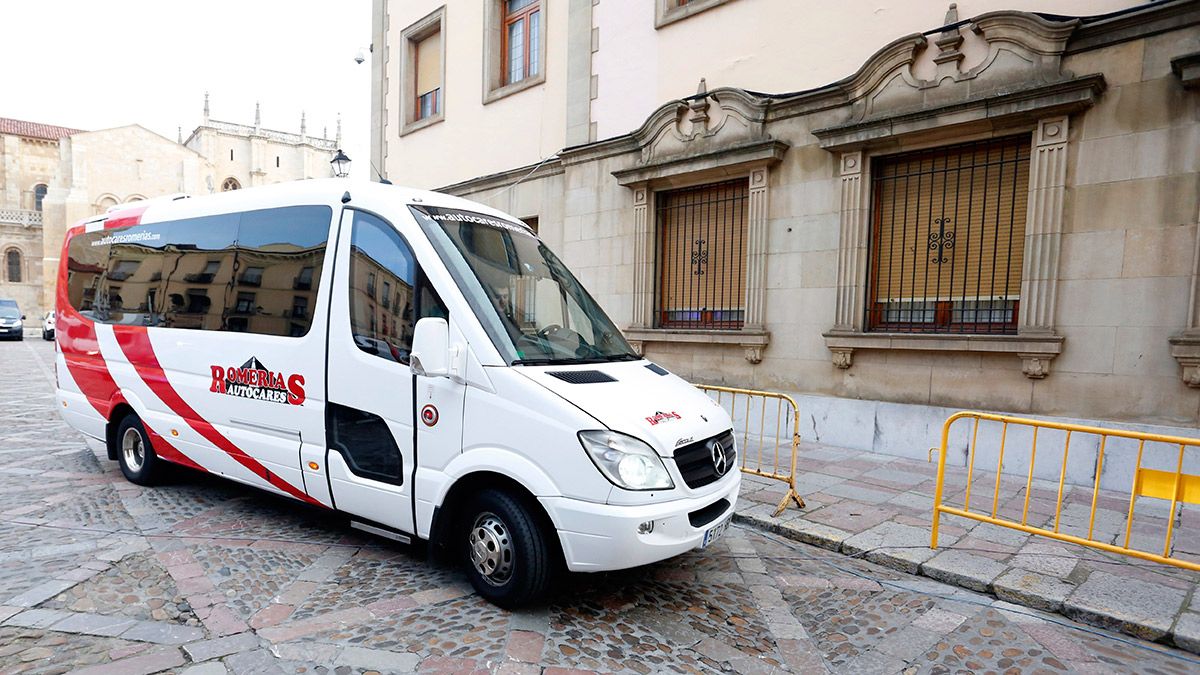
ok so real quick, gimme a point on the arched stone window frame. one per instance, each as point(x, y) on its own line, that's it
point(39, 195)
point(230, 184)
point(104, 202)
point(20, 265)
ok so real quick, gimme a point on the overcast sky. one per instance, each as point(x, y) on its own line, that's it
point(92, 65)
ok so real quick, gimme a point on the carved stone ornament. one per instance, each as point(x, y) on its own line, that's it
point(1011, 51)
point(1186, 350)
point(638, 346)
point(1035, 366)
point(753, 353)
point(690, 127)
point(842, 358)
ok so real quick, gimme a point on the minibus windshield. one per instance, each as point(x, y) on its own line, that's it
point(546, 314)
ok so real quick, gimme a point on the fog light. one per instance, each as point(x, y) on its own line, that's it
point(646, 527)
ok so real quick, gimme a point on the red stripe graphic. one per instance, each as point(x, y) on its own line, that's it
point(164, 449)
point(76, 337)
point(135, 342)
point(125, 217)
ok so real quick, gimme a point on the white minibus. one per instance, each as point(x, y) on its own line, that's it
point(417, 361)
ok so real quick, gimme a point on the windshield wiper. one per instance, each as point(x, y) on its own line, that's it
point(534, 362)
point(561, 361)
point(576, 360)
point(623, 357)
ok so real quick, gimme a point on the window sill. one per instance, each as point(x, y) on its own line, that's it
point(1036, 350)
point(417, 125)
point(751, 340)
point(510, 89)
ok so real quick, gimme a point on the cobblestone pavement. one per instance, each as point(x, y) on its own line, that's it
point(202, 576)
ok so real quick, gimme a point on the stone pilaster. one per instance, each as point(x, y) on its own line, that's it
point(1043, 238)
point(852, 250)
point(756, 245)
point(643, 258)
point(1043, 226)
point(1185, 347)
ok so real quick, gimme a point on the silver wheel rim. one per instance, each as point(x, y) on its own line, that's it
point(132, 450)
point(490, 548)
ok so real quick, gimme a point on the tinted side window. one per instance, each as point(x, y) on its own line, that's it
point(278, 268)
point(383, 273)
point(197, 271)
point(255, 272)
point(114, 276)
point(366, 442)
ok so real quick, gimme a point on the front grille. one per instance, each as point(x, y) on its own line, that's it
point(696, 464)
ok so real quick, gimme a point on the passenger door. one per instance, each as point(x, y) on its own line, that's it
point(370, 414)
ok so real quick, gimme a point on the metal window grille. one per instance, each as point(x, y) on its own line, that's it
point(947, 238)
point(701, 256)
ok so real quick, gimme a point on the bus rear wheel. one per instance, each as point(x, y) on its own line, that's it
point(506, 553)
point(135, 454)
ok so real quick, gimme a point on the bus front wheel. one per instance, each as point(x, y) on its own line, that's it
point(507, 556)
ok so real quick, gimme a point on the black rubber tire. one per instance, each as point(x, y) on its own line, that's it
point(533, 565)
point(152, 467)
point(46, 336)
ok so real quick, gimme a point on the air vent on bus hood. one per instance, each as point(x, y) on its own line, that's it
point(582, 376)
point(655, 368)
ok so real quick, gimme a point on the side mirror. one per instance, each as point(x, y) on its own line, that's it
point(431, 348)
point(22, 317)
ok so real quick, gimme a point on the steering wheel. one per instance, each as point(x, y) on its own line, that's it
point(549, 330)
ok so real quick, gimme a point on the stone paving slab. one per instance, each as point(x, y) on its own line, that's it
point(847, 513)
point(94, 624)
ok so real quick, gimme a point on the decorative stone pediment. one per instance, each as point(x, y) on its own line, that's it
point(995, 64)
point(700, 124)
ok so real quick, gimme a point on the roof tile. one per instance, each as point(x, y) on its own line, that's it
point(47, 132)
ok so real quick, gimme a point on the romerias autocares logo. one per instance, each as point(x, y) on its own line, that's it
point(255, 381)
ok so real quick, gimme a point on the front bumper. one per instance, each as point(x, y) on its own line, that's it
point(11, 331)
point(600, 537)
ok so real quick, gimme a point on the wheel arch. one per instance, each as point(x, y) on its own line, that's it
point(119, 412)
point(450, 509)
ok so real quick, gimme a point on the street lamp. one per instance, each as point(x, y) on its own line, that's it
point(341, 164)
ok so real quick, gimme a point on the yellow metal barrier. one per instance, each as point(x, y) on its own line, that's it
point(1175, 486)
point(786, 414)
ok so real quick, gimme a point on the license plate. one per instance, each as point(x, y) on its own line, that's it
point(714, 533)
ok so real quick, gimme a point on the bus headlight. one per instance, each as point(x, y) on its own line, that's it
point(626, 461)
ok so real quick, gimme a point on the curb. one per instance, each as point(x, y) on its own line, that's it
point(832, 539)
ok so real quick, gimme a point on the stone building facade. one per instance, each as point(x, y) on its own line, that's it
point(997, 211)
point(84, 173)
point(28, 159)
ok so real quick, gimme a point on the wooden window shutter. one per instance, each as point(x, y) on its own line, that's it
point(948, 236)
point(429, 64)
point(702, 256)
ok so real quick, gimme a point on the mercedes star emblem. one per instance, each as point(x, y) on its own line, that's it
point(720, 461)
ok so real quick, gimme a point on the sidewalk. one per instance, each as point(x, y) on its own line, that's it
point(880, 507)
